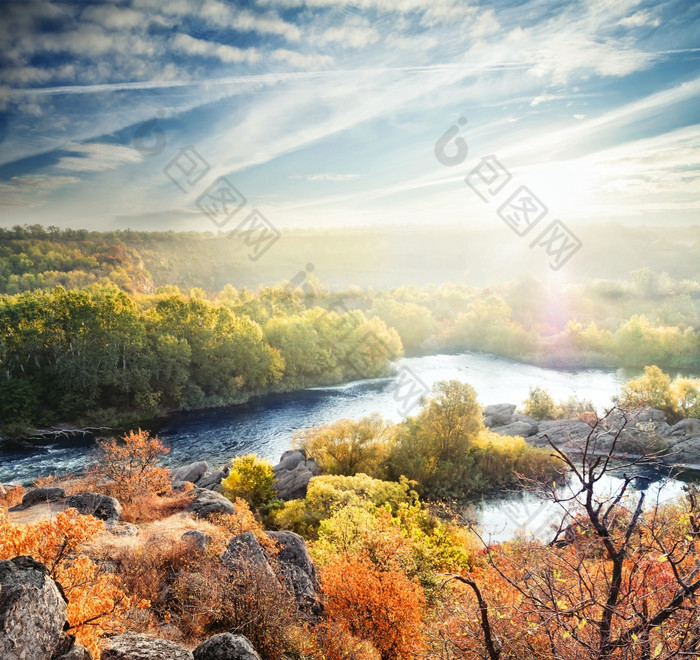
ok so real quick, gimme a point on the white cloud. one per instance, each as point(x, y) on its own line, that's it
point(327, 176)
point(639, 19)
point(27, 190)
point(96, 157)
point(223, 15)
point(184, 43)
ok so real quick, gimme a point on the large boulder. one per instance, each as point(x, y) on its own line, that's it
point(212, 480)
point(524, 429)
point(197, 538)
point(94, 504)
point(498, 414)
point(41, 495)
point(292, 475)
point(191, 472)
point(208, 502)
point(131, 646)
point(567, 434)
point(226, 646)
point(245, 554)
point(32, 611)
point(297, 567)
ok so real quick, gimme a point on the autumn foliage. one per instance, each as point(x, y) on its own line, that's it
point(383, 607)
point(97, 602)
point(129, 469)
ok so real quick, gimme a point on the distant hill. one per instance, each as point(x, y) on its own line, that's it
point(34, 257)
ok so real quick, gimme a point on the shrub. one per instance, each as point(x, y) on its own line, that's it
point(130, 469)
point(250, 478)
point(384, 607)
point(347, 447)
point(149, 508)
point(11, 495)
point(97, 602)
point(540, 405)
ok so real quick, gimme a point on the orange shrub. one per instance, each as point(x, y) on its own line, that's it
point(384, 607)
point(152, 507)
point(97, 604)
point(130, 469)
point(11, 495)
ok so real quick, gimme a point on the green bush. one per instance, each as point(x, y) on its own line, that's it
point(251, 479)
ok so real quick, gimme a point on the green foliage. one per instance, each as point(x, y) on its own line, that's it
point(678, 398)
point(540, 405)
point(347, 447)
point(251, 479)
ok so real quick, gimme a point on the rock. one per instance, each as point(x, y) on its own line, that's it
point(226, 646)
point(122, 528)
point(212, 479)
point(244, 553)
point(78, 652)
point(569, 434)
point(32, 611)
point(131, 646)
point(207, 502)
point(498, 414)
point(40, 495)
point(686, 427)
point(523, 429)
point(94, 504)
point(290, 459)
point(298, 568)
point(292, 550)
point(292, 475)
point(684, 450)
point(648, 414)
point(198, 538)
point(190, 472)
point(517, 417)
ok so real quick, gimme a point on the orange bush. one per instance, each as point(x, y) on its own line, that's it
point(11, 495)
point(97, 604)
point(130, 468)
point(152, 507)
point(384, 607)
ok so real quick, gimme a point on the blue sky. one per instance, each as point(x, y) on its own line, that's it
point(326, 112)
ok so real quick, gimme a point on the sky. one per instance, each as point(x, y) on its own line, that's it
point(189, 114)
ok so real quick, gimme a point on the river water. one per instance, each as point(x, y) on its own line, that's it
point(265, 425)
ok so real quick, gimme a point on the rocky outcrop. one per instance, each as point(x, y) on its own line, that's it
point(131, 646)
point(94, 504)
point(226, 646)
point(32, 611)
point(244, 553)
point(501, 418)
point(498, 414)
point(297, 568)
point(199, 474)
point(196, 537)
point(293, 473)
point(40, 496)
point(208, 502)
point(191, 472)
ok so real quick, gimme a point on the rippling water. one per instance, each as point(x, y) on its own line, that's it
point(265, 426)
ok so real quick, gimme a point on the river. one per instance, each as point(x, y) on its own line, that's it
point(265, 425)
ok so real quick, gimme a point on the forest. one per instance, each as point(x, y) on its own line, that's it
point(81, 310)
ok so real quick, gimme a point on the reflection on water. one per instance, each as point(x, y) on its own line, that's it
point(265, 426)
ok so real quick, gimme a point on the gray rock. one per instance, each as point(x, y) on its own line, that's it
point(684, 450)
point(517, 417)
point(689, 426)
point(131, 646)
point(78, 652)
point(40, 495)
point(94, 504)
point(122, 528)
point(524, 429)
point(648, 414)
point(297, 567)
point(226, 646)
point(293, 550)
point(207, 502)
point(568, 434)
point(190, 472)
point(197, 537)
point(292, 475)
point(212, 479)
point(244, 553)
point(498, 414)
point(32, 611)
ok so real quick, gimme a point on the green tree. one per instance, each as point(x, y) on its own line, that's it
point(540, 405)
point(251, 479)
